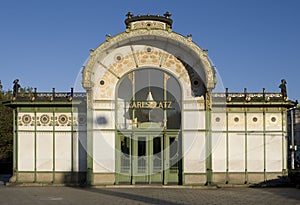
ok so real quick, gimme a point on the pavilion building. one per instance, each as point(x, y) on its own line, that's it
point(150, 114)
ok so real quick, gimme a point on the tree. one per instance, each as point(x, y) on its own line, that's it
point(6, 127)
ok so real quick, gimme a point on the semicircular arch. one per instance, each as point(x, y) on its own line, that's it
point(175, 44)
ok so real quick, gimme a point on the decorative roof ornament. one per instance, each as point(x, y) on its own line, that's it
point(189, 37)
point(148, 21)
point(129, 15)
point(167, 15)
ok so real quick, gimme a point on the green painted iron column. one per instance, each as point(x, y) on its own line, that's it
point(208, 136)
point(89, 172)
point(15, 115)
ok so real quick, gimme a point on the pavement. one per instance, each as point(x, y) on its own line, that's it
point(15, 195)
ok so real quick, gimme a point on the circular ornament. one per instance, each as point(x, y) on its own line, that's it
point(63, 119)
point(44, 119)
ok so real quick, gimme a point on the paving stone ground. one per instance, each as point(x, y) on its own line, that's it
point(147, 195)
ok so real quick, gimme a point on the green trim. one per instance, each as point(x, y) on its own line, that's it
point(199, 130)
point(45, 109)
point(265, 151)
point(16, 133)
point(103, 101)
point(104, 109)
point(53, 142)
point(89, 179)
point(193, 110)
point(112, 130)
point(227, 148)
point(283, 118)
point(249, 132)
point(35, 145)
point(208, 141)
point(50, 131)
point(72, 141)
point(246, 147)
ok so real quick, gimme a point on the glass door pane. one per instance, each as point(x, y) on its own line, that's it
point(125, 155)
point(142, 156)
point(173, 154)
point(123, 158)
point(157, 155)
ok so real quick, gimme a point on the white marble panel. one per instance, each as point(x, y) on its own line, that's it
point(194, 152)
point(255, 153)
point(104, 119)
point(76, 143)
point(255, 122)
point(236, 151)
point(194, 120)
point(273, 121)
point(25, 151)
point(63, 153)
point(274, 152)
point(103, 105)
point(197, 104)
point(81, 152)
point(218, 121)
point(236, 121)
point(44, 151)
point(80, 122)
point(104, 152)
point(219, 152)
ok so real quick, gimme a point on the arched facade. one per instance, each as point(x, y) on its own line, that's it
point(148, 43)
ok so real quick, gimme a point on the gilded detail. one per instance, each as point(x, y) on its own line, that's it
point(156, 35)
point(148, 25)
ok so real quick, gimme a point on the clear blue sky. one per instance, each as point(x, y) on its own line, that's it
point(253, 43)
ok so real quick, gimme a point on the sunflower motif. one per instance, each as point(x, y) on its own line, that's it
point(63, 119)
point(26, 119)
point(44, 119)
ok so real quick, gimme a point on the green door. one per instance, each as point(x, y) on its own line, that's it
point(173, 168)
point(147, 158)
point(123, 158)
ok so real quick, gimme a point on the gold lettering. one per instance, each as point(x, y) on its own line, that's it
point(153, 104)
point(138, 104)
point(160, 105)
point(165, 104)
point(133, 105)
point(149, 105)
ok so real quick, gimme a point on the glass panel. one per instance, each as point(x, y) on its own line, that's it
point(124, 96)
point(125, 151)
point(174, 95)
point(142, 146)
point(173, 154)
point(156, 145)
point(141, 154)
point(157, 154)
point(146, 81)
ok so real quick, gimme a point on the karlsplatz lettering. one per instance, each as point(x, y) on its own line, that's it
point(151, 105)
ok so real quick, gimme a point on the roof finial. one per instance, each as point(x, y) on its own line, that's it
point(129, 15)
point(167, 14)
point(108, 37)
